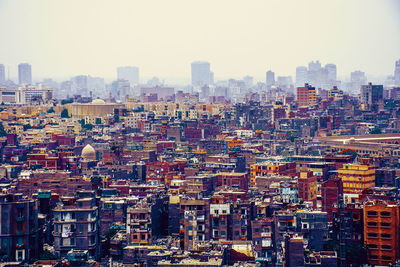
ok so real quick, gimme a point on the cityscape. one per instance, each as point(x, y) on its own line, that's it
point(196, 162)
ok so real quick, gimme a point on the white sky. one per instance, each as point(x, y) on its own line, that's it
point(64, 38)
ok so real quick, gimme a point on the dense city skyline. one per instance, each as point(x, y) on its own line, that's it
point(93, 43)
point(199, 133)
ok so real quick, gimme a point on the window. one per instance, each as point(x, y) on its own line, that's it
point(386, 247)
point(373, 246)
point(223, 233)
point(81, 228)
point(20, 255)
point(190, 228)
point(386, 258)
point(385, 214)
point(372, 213)
point(372, 235)
point(386, 236)
point(372, 224)
point(385, 224)
point(373, 257)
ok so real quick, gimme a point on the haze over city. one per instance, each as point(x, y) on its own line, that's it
point(259, 133)
point(66, 38)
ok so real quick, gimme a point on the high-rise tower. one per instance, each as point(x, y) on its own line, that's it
point(24, 73)
point(201, 73)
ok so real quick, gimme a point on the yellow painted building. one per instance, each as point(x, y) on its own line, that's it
point(357, 177)
point(271, 168)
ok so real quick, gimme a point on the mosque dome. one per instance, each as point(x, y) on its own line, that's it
point(98, 101)
point(88, 152)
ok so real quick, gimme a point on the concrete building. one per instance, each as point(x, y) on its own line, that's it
point(381, 232)
point(270, 78)
point(24, 74)
point(26, 94)
point(220, 216)
point(306, 96)
point(139, 224)
point(307, 183)
point(314, 227)
point(294, 251)
point(371, 94)
point(356, 177)
point(19, 228)
point(77, 226)
point(284, 223)
point(194, 222)
point(200, 73)
point(330, 192)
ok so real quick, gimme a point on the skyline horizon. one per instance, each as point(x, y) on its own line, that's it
point(68, 38)
point(187, 78)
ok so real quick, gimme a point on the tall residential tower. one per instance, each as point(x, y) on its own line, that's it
point(201, 73)
point(24, 73)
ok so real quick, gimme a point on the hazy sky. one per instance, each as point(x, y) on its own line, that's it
point(64, 38)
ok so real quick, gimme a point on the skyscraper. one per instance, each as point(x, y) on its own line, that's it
point(332, 73)
point(129, 73)
point(397, 73)
point(270, 78)
point(24, 73)
point(301, 75)
point(2, 74)
point(200, 73)
point(314, 73)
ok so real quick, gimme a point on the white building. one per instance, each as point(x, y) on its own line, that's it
point(26, 94)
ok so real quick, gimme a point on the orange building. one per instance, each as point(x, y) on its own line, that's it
point(306, 96)
point(381, 232)
point(356, 177)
